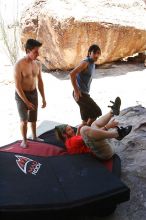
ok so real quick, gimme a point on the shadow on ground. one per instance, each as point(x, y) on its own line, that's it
point(105, 70)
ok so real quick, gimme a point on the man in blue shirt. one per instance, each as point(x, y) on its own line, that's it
point(81, 78)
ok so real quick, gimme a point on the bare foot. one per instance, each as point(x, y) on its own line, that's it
point(23, 144)
point(38, 139)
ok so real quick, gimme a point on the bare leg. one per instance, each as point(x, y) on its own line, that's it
point(102, 121)
point(97, 133)
point(33, 128)
point(23, 128)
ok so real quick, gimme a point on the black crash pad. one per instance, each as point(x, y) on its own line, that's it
point(77, 184)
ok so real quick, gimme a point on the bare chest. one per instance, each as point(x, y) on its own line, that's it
point(30, 71)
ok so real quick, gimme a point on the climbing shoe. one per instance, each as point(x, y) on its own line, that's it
point(116, 106)
point(123, 131)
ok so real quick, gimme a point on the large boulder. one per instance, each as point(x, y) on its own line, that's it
point(67, 29)
point(132, 151)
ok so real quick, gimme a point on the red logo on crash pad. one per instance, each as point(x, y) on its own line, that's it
point(27, 165)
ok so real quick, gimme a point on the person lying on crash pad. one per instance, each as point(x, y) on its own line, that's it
point(97, 138)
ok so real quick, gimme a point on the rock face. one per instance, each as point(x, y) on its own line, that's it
point(67, 29)
point(132, 151)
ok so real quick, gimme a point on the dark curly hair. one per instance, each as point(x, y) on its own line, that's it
point(31, 44)
point(93, 48)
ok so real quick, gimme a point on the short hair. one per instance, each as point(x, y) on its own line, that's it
point(31, 44)
point(93, 48)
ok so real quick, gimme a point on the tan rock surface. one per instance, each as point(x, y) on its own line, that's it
point(67, 28)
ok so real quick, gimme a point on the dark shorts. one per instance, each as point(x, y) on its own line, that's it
point(24, 113)
point(88, 108)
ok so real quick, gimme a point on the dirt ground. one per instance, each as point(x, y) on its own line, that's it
point(124, 80)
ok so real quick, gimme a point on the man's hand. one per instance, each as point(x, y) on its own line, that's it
point(77, 94)
point(31, 106)
point(44, 103)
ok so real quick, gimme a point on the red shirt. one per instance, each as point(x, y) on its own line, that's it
point(76, 145)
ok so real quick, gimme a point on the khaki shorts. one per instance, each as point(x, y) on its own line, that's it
point(103, 149)
point(24, 113)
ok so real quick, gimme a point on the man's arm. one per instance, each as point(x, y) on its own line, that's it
point(18, 86)
point(41, 86)
point(79, 128)
point(73, 74)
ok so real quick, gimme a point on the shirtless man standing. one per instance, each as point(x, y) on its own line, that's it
point(27, 77)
